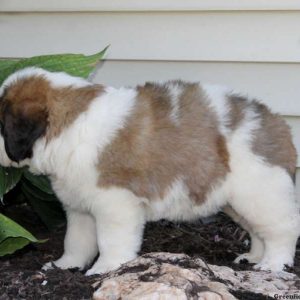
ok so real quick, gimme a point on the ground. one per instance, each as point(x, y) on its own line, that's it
point(217, 241)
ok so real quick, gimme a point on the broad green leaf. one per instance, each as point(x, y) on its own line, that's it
point(4, 63)
point(12, 244)
point(48, 208)
point(13, 236)
point(41, 182)
point(9, 228)
point(74, 64)
point(9, 177)
point(32, 190)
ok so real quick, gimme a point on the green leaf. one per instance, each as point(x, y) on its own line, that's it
point(9, 177)
point(74, 64)
point(12, 244)
point(48, 208)
point(13, 236)
point(30, 190)
point(4, 63)
point(41, 182)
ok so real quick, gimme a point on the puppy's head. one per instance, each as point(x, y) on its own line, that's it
point(23, 114)
point(35, 103)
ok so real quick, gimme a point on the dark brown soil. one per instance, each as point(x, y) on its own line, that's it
point(218, 242)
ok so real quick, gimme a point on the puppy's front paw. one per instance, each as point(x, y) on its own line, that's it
point(65, 262)
point(94, 271)
point(103, 266)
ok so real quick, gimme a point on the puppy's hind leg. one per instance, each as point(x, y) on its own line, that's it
point(269, 207)
point(257, 246)
point(80, 244)
point(280, 237)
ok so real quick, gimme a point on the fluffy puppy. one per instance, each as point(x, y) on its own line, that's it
point(118, 158)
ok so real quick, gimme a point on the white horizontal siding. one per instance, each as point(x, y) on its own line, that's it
point(178, 36)
point(277, 85)
point(146, 5)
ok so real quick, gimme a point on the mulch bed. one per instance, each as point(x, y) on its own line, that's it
point(218, 241)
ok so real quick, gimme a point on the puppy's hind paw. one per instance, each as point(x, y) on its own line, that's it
point(249, 257)
point(275, 265)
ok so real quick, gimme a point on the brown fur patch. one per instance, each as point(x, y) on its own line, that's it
point(222, 150)
point(27, 98)
point(67, 104)
point(237, 107)
point(33, 98)
point(151, 151)
point(273, 140)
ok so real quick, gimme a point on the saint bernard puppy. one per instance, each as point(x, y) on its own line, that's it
point(118, 158)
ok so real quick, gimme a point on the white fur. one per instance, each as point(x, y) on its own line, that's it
point(4, 159)
point(111, 220)
point(119, 219)
point(177, 206)
point(216, 96)
point(80, 245)
point(175, 91)
point(257, 246)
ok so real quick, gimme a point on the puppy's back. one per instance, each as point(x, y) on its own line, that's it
point(172, 133)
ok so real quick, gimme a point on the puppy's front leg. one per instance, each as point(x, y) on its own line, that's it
point(80, 244)
point(119, 220)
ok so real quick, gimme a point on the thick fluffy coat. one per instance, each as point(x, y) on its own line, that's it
point(120, 157)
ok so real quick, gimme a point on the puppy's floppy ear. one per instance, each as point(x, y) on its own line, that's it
point(20, 132)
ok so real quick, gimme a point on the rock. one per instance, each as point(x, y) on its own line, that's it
point(178, 276)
